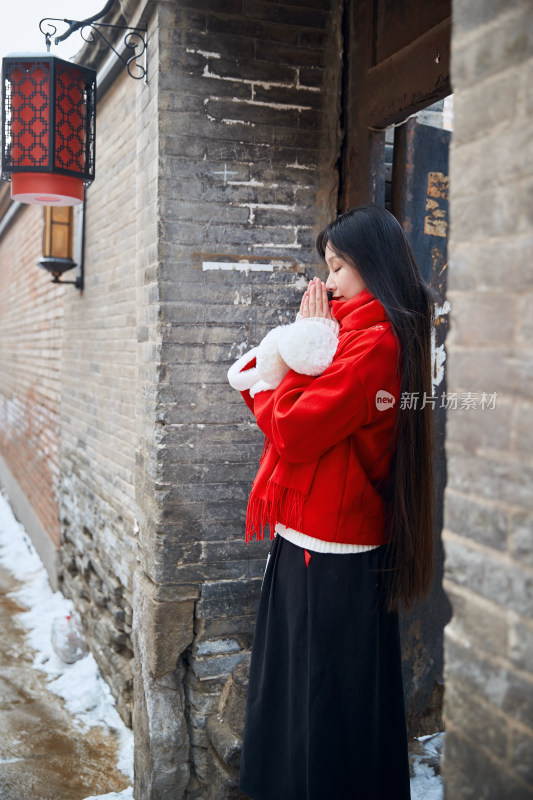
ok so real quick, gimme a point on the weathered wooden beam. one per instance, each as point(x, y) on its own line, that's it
point(412, 78)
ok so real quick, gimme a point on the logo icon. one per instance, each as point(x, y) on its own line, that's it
point(384, 400)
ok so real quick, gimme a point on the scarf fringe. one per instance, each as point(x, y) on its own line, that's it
point(282, 504)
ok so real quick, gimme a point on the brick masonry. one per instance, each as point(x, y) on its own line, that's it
point(31, 323)
point(228, 157)
point(488, 514)
point(244, 151)
point(98, 403)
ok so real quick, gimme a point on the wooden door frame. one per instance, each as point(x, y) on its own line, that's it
point(376, 96)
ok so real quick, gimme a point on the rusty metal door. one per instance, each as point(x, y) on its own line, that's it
point(419, 200)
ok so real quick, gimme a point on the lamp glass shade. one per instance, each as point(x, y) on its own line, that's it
point(49, 110)
point(57, 239)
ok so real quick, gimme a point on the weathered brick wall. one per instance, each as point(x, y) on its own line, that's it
point(98, 425)
point(247, 137)
point(489, 503)
point(31, 317)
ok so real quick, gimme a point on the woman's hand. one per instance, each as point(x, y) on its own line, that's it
point(315, 301)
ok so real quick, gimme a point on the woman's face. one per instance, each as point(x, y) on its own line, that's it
point(343, 280)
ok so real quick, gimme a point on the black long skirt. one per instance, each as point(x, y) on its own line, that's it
point(325, 717)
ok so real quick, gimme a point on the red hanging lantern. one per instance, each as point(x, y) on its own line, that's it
point(49, 110)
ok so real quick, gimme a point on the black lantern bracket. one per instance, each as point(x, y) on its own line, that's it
point(135, 39)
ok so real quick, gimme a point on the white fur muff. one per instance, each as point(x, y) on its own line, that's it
point(307, 346)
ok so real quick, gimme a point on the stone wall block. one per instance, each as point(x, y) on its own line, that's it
point(466, 515)
point(215, 667)
point(481, 319)
point(505, 478)
point(477, 427)
point(525, 331)
point(167, 630)
point(521, 525)
point(521, 754)
point(493, 48)
point(521, 643)
point(494, 109)
point(478, 265)
point(522, 429)
point(480, 673)
point(221, 597)
point(161, 736)
point(471, 774)
point(226, 744)
point(225, 626)
point(482, 623)
point(222, 782)
point(224, 729)
point(504, 371)
point(507, 168)
point(477, 719)
point(482, 572)
point(518, 700)
point(470, 16)
point(232, 704)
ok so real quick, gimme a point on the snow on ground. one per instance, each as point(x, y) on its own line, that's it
point(426, 785)
point(85, 692)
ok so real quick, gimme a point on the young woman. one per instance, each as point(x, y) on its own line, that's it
point(345, 481)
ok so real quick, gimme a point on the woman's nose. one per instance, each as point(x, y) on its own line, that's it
point(330, 283)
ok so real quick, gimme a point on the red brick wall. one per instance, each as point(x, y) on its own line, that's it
point(31, 314)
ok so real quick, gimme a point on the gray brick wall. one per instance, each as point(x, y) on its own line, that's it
point(489, 512)
point(246, 145)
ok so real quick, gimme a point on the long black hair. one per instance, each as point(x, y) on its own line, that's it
point(373, 240)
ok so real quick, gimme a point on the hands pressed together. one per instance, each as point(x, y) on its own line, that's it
point(315, 301)
point(306, 347)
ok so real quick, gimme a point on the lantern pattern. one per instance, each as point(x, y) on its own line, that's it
point(48, 128)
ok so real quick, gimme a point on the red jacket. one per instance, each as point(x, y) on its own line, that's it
point(339, 421)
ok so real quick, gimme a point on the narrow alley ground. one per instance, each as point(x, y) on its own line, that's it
point(60, 735)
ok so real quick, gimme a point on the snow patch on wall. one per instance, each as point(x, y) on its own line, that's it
point(241, 266)
point(438, 354)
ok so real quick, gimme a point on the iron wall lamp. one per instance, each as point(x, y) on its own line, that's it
point(48, 132)
point(58, 237)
